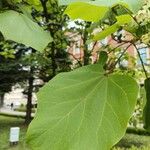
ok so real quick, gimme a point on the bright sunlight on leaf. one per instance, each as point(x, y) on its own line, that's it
point(133, 5)
point(109, 30)
point(85, 11)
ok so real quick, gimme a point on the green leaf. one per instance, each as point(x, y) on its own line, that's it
point(26, 10)
point(123, 19)
point(14, 1)
point(147, 106)
point(85, 11)
point(83, 110)
point(109, 30)
point(18, 27)
point(133, 5)
point(34, 2)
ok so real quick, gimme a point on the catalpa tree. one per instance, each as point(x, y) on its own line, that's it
point(88, 108)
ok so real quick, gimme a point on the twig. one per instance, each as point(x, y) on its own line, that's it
point(146, 74)
point(111, 70)
point(124, 41)
point(130, 13)
point(116, 47)
point(75, 59)
point(122, 54)
point(93, 46)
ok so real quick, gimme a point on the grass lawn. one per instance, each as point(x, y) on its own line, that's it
point(5, 124)
point(126, 143)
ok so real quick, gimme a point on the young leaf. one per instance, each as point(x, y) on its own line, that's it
point(133, 5)
point(109, 30)
point(18, 27)
point(123, 19)
point(85, 11)
point(83, 110)
point(147, 106)
point(34, 2)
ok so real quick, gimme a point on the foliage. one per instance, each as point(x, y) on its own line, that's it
point(143, 19)
point(32, 18)
point(11, 71)
point(61, 121)
point(89, 12)
point(56, 24)
point(80, 106)
point(137, 117)
point(134, 5)
point(6, 122)
point(75, 118)
point(23, 30)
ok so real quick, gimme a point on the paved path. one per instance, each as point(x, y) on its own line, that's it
point(9, 112)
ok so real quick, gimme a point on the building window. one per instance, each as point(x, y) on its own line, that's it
point(77, 50)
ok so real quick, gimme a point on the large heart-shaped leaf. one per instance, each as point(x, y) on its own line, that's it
point(18, 27)
point(83, 110)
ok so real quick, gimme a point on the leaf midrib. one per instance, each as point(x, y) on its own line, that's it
point(72, 109)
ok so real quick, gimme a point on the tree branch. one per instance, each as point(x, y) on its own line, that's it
point(80, 64)
point(146, 74)
point(111, 67)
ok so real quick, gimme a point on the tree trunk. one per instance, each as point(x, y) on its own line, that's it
point(28, 117)
point(86, 56)
point(52, 33)
point(54, 65)
point(85, 45)
point(1, 100)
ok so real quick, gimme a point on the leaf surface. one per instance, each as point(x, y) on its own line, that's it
point(74, 7)
point(18, 27)
point(106, 32)
point(124, 19)
point(121, 20)
point(86, 11)
point(83, 110)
